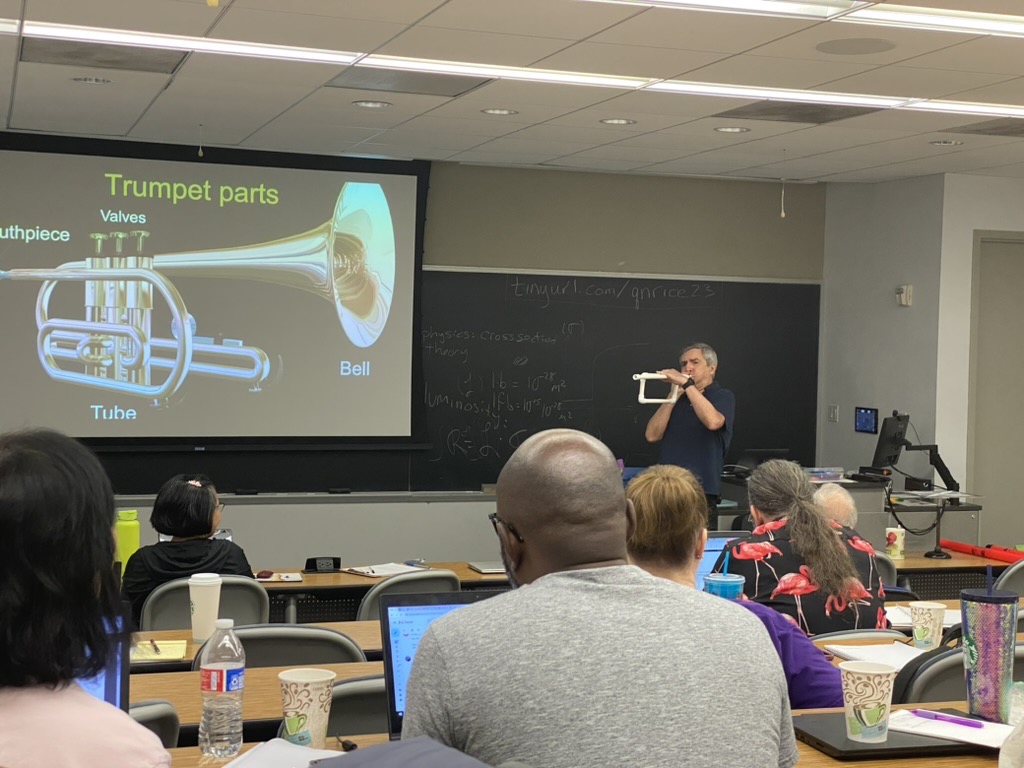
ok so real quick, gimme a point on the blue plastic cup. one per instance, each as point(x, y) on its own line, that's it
point(727, 585)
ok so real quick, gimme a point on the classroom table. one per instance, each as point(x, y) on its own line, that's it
point(189, 757)
point(336, 596)
point(937, 579)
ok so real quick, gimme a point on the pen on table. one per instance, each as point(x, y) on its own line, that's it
point(156, 648)
point(947, 718)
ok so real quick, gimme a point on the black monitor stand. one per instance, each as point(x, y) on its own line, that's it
point(936, 461)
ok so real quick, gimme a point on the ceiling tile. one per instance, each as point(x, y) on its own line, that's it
point(400, 151)
point(825, 138)
point(475, 47)
point(905, 120)
point(400, 11)
point(906, 43)
point(705, 163)
point(288, 28)
point(597, 164)
point(490, 156)
point(774, 73)
point(10, 9)
point(673, 104)
point(335, 105)
point(1009, 7)
point(171, 17)
point(591, 118)
point(412, 136)
point(699, 30)
point(490, 127)
point(984, 54)
point(912, 82)
point(636, 155)
point(514, 144)
point(1006, 92)
point(758, 129)
point(628, 60)
point(570, 133)
point(46, 99)
point(567, 19)
point(314, 137)
point(307, 76)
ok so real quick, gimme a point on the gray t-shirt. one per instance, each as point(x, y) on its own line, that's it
point(601, 667)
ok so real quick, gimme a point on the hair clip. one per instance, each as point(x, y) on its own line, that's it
point(194, 483)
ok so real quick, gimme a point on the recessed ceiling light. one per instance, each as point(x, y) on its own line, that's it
point(732, 129)
point(946, 143)
point(91, 80)
point(618, 121)
point(498, 111)
point(366, 104)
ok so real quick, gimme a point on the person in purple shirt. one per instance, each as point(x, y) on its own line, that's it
point(668, 541)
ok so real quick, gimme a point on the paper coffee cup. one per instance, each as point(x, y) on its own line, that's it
point(306, 704)
point(867, 698)
point(204, 596)
point(895, 543)
point(926, 623)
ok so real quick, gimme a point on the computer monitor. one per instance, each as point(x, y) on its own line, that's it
point(892, 437)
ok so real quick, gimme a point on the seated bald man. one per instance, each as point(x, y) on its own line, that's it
point(593, 661)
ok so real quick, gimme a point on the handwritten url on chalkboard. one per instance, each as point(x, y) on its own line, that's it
point(611, 292)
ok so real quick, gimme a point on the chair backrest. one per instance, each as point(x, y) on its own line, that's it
point(1012, 579)
point(859, 634)
point(358, 706)
point(159, 716)
point(886, 568)
point(241, 598)
point(430, 580)
point(289, 645)
point(939, 676)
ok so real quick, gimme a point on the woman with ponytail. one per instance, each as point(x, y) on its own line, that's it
point(799, 562)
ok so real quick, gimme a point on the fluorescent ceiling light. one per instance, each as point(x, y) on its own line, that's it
point(184, 43)
point(776, 94)
point(502, 73)
point(9, 26)
point(820, 10)
point(966, 108)
point(939, 19)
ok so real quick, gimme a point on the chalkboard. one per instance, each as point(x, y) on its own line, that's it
point(507, 355)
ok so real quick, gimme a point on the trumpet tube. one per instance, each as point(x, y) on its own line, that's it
point(643, 378)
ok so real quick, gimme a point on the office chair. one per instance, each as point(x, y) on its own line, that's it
point(358, 706)
point(860, 634)
point(292, 645)
point(1012, 579)
point(428, 580)
point(939, 676)
point(241, 598)
point(159, 716)
point(896, 587)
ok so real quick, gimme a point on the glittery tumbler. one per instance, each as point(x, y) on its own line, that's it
point(990, 635)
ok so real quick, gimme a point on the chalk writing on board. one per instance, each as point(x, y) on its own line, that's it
point(624, 293)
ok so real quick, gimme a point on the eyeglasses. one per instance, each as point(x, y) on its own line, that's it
point(493, 517)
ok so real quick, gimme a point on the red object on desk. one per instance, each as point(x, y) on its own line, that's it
point(992, 552)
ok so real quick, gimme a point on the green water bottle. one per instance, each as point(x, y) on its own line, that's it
point(127, 529)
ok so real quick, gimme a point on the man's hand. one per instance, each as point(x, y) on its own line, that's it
point(675, 377)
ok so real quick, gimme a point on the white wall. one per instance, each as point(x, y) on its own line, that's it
point(873, 352)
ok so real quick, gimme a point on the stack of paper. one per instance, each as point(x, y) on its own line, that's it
point(895, 654)
point(278, 753)
point(899, 617)
point(989, 735)
point(384, 570)
point(159, 650)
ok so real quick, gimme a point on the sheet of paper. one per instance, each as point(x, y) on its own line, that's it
point(384, 570)
point(899, 617)
point(990, 735)
point(281, 577)
point(278, 753)
point(169, 650)
point(894, 654)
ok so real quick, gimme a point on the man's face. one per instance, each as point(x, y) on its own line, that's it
point(695, 366)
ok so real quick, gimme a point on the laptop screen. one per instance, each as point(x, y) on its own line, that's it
point(403, 620)
point(111, 684)
point(717, 541)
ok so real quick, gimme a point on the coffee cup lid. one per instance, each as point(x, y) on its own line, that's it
point(982, 595)
point(204, 578)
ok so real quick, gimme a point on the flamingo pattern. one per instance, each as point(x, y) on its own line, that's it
point(778, 577)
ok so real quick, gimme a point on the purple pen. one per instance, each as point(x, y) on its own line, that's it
point(927, 715)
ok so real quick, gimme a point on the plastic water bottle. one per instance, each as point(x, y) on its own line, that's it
point(221, 681)
point(128, 535)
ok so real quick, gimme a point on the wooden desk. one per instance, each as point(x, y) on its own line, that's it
point(262, 698)
point(365, 633)
point(336, 596)
point(809, 757)
point(935, 579)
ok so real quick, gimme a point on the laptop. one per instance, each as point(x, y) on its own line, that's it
point(403, 620)
point(111, 684)
point(827, 733)
point(717, 542)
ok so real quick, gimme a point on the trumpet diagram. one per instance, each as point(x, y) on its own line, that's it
point(349, 260)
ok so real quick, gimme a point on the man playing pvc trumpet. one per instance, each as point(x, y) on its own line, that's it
point(695, 426)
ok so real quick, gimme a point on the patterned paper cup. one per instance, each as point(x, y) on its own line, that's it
point(867, 696)
point(306, 701)
point(926, 623)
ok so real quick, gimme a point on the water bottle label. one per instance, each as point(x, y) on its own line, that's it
point(222, 680)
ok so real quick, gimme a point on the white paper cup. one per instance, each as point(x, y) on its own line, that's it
point(867, 698)
point(926, 623)
point(306, 704)
point(895, 543)
point(204, 596)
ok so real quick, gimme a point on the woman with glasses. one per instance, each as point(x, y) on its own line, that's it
point(188, 510)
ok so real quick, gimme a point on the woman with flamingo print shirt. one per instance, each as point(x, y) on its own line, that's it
point(801, 564)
